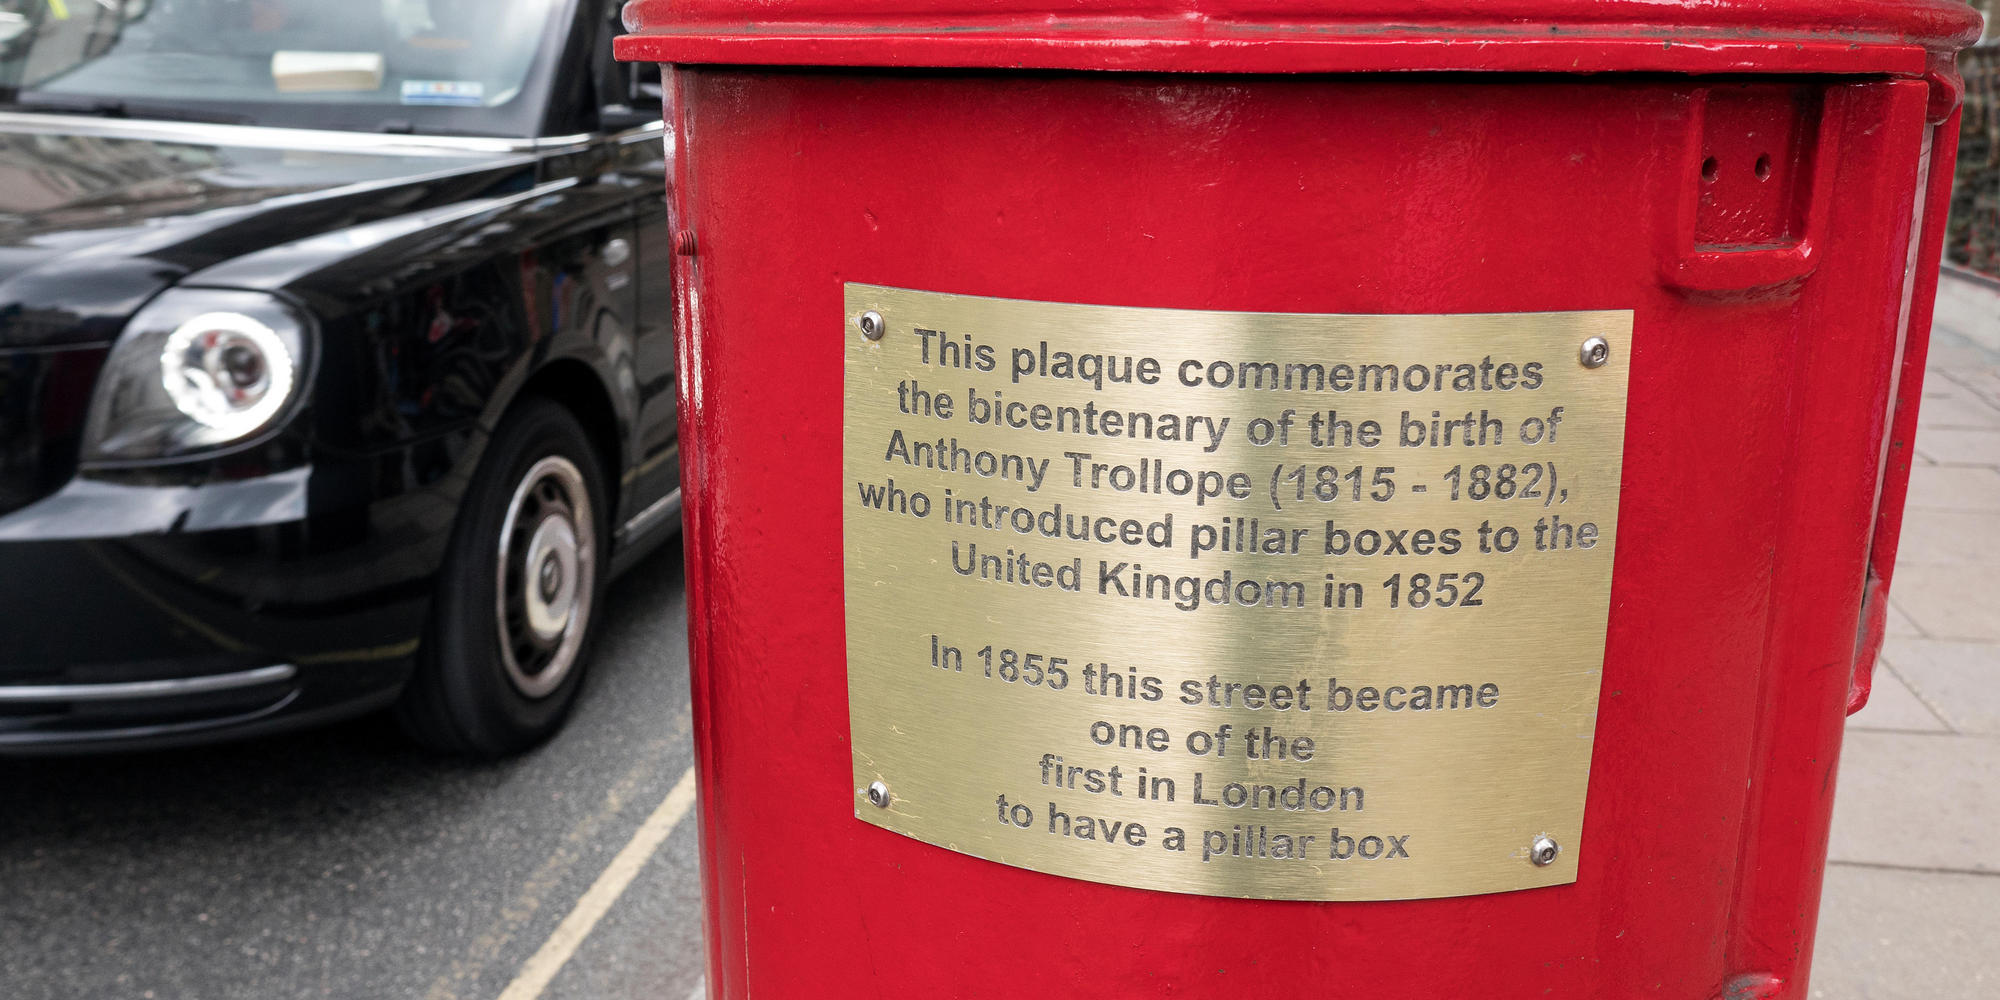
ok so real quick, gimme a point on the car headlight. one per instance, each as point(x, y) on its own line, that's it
point(197, 370)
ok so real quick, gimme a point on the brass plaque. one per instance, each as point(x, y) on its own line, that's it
point(1276, 606)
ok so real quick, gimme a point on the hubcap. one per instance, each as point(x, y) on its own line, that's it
point(552, 598)
point(547, 576)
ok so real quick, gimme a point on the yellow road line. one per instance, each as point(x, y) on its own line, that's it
point(541, 968)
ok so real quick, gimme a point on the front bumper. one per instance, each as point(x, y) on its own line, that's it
point(148, 615)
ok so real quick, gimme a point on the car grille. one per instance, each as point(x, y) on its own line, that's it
point(44, 400)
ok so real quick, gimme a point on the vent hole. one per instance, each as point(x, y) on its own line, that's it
point(1708, 169)
point(1763, 166)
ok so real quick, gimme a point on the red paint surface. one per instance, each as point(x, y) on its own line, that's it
point(1759, 439)
point(1298, 36)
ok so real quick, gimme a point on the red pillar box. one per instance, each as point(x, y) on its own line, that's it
point(1247, 499)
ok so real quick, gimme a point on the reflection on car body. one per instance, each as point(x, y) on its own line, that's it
point(331, 377)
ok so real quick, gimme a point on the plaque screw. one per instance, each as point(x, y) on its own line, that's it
point(1542, 853)
point(872, 325)
point(878, 794)
point(1594, 353)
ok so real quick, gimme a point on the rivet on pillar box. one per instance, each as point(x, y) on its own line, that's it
point(1262, 497)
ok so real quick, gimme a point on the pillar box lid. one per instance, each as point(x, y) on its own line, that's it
point(1902, 37)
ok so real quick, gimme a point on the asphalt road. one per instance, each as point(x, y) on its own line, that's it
point(344, 863)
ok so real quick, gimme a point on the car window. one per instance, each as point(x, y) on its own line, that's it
point(274, 60)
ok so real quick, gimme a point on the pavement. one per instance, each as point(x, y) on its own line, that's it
point(1912, 902)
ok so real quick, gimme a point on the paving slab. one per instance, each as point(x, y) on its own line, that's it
point(1969, 368)
point(1893, 707)
point(1953, 354)
point(1947, 538)
point(1951, 601)
point(1900, 623)
point(1952, 488)
point(1900, 935)
point(1947, 404)
point(1918, 800)
point(1960, 680)
point(1968, 309)
point(1951, 446)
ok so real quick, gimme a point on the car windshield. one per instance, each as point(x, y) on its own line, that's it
point(457, 66)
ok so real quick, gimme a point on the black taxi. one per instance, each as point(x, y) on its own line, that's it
point(336, 364)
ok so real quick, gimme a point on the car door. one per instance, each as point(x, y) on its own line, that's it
point(629, 97)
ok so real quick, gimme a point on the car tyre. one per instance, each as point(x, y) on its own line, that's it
point(517, 597)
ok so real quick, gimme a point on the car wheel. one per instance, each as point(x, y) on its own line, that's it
point(511, 623)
